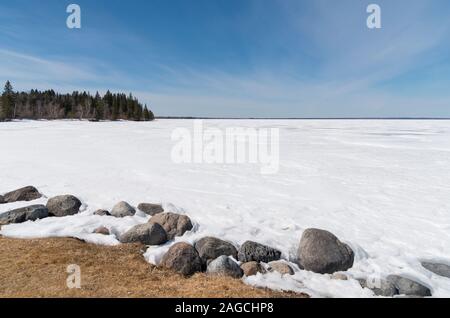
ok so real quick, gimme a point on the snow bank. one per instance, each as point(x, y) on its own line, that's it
point(380, 186)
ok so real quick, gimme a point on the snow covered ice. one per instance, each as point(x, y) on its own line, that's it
point(382, 186)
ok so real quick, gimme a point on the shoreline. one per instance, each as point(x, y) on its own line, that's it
point(37, 268)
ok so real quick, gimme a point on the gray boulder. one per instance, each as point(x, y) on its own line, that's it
point(174, 224)
point(24, 194)
point(123, 209)
point(102, 213)
point(322, 252)
point(252, 268)
point(182, 258)
point(148, 234)
point(2, 199)
point(150, 209)
point(63, 205)
point(224, 266)
point(380, 287)
point(29, 213)
point(210, 248)
point(408, 287)
point(437, 268)
point(281, 267)
point(252, 251)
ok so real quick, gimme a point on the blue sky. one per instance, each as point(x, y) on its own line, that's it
point(249, 58)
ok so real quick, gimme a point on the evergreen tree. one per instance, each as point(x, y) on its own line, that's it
point(98, 107)
point(52, 105)
point(108, 105)
point(92, 112)
point(137, 112)
point(146, 114)
point(115, 108)
point(130, 107)
point(151, 115)
point(8, 105)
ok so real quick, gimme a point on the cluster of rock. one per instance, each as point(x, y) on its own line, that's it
point(319, 251)
point(56, 207)
point(219, 257)
point(161, 228)
point(123, 209)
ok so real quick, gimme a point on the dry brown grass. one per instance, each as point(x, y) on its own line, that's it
point(37, 268)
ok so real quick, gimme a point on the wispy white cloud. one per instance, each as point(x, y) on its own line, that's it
point(28, 67)
point(31, 71)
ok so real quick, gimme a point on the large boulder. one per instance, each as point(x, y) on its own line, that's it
point(322, 252)
point(281, 267)
point(174, 224)
point(24, 194)
point(380, 287)
point(123, 209)
point(252, 251)
point(148, 234)
point(63, 205)
point(210, 248)
point(437, 268)
point(252, 268)
point(224, 266)
point(2, 199)
point(182, 258)
point(408, 287)
point(29, 213)
point(150, 208)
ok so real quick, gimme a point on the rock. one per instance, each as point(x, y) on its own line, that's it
point(63, 205)
point(2, 199)
point(174, 224)
point(252, 251)
point(102, 212)
point(437, 268)
point(101, 230)
point(322, 252)
point(380, 287)
point(148, 234)
point(408, 287)
point(182, 258)
point(29, 213)
point(224, 266)
point(123, 209)
point(281, 267)
point(150, 209)
point(339, 276)
point(210, 248)
point(252, 268)
point(24, 194)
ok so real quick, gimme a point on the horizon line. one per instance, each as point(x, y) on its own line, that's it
point(303, 118)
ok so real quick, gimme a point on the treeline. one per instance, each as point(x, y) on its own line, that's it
point(78, 105)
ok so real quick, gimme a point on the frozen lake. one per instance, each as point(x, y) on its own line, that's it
point(382, 186)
